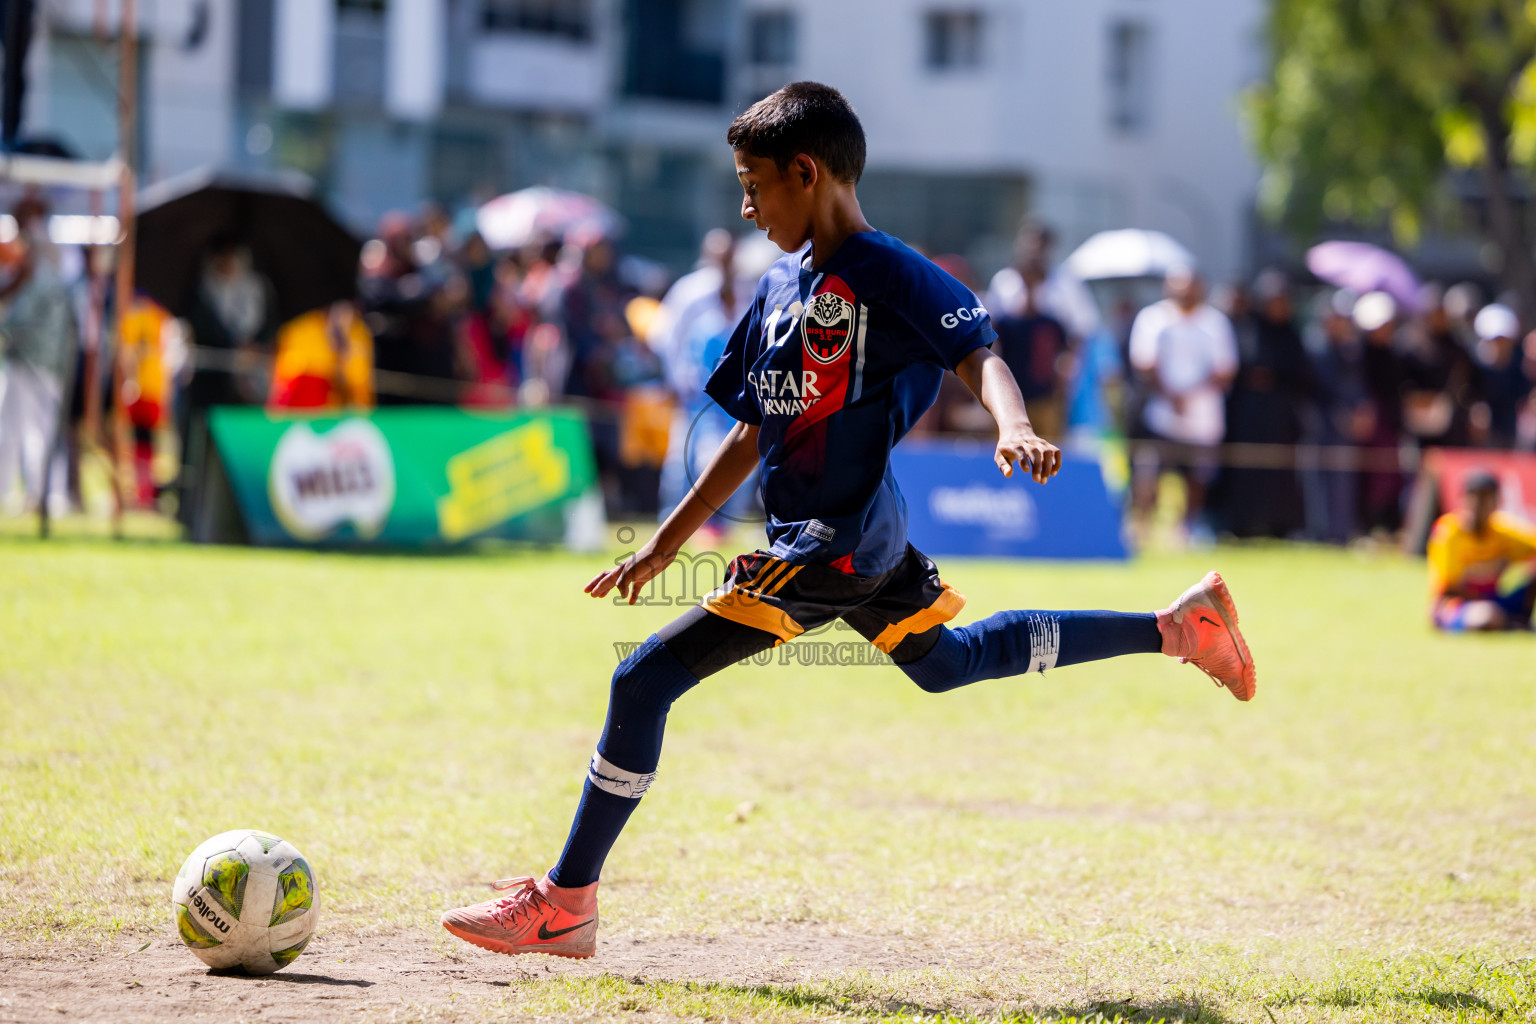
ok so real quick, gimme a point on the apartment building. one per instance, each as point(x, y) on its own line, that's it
point(1090, 114)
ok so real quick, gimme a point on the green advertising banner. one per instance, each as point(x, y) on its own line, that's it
point(406, 477)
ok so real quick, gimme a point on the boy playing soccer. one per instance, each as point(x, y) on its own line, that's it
point(842, 350)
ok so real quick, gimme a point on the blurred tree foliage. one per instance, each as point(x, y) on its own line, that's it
point(1370, 102)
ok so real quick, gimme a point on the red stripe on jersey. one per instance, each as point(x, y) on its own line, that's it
point(831, 378)
point(837, 286)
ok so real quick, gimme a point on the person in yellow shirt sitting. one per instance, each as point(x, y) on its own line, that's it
point(1470, 552)
point(324, 362)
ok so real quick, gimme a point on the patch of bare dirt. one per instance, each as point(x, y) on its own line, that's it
point(418, 975)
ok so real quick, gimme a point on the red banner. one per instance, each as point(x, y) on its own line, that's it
point(1442, 478)
point(1516, 472)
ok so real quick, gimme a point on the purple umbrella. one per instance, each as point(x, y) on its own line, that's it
point(1362, 267)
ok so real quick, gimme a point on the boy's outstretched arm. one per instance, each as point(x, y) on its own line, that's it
point(733, 462)
point(992, 383)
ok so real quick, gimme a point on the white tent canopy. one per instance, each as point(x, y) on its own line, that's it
point(519, 218)
point(47, 170)
point(1128, 252)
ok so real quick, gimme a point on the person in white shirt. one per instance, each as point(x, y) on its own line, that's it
point(1185, 351)
point(38, 337)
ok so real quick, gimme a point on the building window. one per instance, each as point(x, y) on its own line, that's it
point(675, 49)
point(954, 40)
point(564, 19)
point(1130, 76)
point(771, 38)
point(253, 48)
point(360, 64)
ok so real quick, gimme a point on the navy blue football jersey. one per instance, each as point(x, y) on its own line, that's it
point(835, 364)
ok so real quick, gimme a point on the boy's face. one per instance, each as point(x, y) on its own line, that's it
point(1482, 504)
point(778, 202)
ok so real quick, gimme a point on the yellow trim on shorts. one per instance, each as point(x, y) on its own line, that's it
point(945, 607)
point(743, 602)
point(785, 578)
point(770, 564)
point(760, 585)
point(748, 609)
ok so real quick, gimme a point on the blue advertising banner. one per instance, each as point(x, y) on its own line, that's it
point(959, 504)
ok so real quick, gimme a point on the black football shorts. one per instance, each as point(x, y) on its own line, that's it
point(765, 601)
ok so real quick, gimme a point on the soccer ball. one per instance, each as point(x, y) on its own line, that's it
point(245, 899)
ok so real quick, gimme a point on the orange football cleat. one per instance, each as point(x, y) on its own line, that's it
point(540, 917)
point(1200, 628)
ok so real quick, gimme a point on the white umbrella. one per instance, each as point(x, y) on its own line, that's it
point(520, 218)
point(1129, 252)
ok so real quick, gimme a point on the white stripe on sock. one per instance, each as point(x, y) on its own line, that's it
point(1044, 642)
point(610, 778)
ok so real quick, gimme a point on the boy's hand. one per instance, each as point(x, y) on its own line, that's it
point(993, 385)
point(1024, 446)
point(632, 574)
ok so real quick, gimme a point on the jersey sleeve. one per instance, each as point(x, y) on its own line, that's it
point(944, 313)
point(727, 383)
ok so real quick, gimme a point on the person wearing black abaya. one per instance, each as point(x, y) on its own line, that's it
point(1443, 381)
point(1275, 380)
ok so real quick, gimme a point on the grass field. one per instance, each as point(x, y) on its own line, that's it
point(1112, 841)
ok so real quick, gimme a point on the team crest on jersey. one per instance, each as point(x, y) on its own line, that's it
point(828, 327)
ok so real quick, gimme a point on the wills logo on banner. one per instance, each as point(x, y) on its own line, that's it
point(318, 482)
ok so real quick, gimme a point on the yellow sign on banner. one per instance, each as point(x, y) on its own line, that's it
point(512, 473)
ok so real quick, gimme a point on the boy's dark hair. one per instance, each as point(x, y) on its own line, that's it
point(1480, 481)
point(803, 117)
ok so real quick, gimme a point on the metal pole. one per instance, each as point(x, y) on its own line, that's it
point(96, 307)
point(127, 121)
point(93, 336)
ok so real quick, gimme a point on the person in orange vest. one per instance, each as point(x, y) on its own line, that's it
point(324, 361)
point(144, 334)
point(1469, 553)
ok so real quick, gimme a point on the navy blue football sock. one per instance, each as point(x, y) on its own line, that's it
point(644, 686)
point(600, 817)
point(1013, 643)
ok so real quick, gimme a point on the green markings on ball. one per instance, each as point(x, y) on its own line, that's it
point(225, 877)
point(284, 957)
point(191, 934)
point(213, 886)
point(295, 894)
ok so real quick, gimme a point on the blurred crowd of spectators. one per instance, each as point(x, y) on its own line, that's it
point(560, 321)
point(438, 319)
point(1221, 388)
point(1215, 388)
